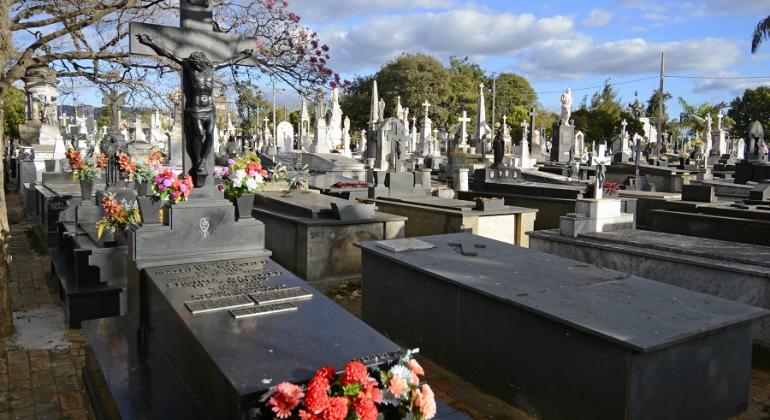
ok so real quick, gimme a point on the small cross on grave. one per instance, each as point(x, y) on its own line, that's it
point(467, 248)
point(464, 133)
point(624, 124)
point(426, 106)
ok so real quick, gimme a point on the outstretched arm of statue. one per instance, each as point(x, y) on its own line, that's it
point(148, 41)
point(235, 60)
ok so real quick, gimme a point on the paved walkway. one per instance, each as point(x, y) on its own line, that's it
point(40, 363)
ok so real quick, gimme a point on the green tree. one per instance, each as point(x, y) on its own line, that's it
point(464, 80)
point(652, 104)
point(104, 120)
point(252, 106)
point(356, 102)
point(415, 78)
point(754, 105)
point(694, 116)
point(761, 33)
point(14, 112)
point(601, 119)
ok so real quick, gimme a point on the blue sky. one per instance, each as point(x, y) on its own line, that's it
point(557, 44)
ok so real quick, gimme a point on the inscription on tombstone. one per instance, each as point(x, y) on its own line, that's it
point(262, 310)
point(218, 304)
point(280, 295)
point(238, 286)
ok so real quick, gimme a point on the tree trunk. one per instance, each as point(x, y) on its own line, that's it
point(6, 315)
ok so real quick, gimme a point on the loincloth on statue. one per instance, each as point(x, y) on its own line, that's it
point(203, 113)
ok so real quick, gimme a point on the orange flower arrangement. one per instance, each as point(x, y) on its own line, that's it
point(118, 215)
point(101, 161)
point(126, 164)
point(155, 157)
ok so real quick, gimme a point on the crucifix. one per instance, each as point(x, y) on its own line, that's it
point(464, 133)
point(199, 51)
point(114, 100)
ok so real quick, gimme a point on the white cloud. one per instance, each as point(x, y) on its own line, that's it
point(731, 83)
point(456, 32)
point(597, 18)
point(341, 9)
point(654, 6)
point(738, 6)
point(582, 56)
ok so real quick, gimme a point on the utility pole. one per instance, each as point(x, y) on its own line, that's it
point(494, 100)
point(660, 107)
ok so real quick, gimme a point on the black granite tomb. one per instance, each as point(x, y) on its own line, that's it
point(559, 338)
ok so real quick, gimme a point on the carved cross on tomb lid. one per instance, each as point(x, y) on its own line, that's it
point(467, 248)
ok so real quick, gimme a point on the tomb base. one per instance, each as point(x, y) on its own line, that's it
point(593, 215)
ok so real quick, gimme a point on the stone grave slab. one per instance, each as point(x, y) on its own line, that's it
point(227, 360)
point(699, 193)
point(308, 238)
point(534, 317)
point(436, 215)
point(731, 270)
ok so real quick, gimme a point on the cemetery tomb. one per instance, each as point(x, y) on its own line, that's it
point(313, 240)
point(218, 363)
point(731, 270)
point(560, 338)
point(488, 217)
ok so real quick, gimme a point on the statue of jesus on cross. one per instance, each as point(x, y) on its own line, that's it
point(198, 89)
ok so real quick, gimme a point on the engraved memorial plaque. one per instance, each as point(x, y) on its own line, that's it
point(262, 310)
point(280, 295)
point(218, 304)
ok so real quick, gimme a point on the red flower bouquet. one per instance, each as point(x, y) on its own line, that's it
point(357, 392)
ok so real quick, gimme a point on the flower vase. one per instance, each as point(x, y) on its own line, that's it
point(86, 189)
point(243, 206)
point(149, 208)
point(121, 238)
point(142, 188)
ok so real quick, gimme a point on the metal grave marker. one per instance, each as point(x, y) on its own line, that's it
point(280, 295)
point(262, 310)
point(218, 304)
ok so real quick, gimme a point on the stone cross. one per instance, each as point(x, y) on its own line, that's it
point(426, 106)
point(265, 126)
point(505, 120)
point(464, 133)
point(195, 41)
point(719, 120)
point(624, 124)
point(114, 100)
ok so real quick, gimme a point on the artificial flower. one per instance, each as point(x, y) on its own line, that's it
point(285, 399)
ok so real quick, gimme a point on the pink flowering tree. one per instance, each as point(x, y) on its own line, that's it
point(86, 43)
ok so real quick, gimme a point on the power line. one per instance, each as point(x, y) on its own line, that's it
point(721, 77)
point(600, 86)
point(656, 77)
